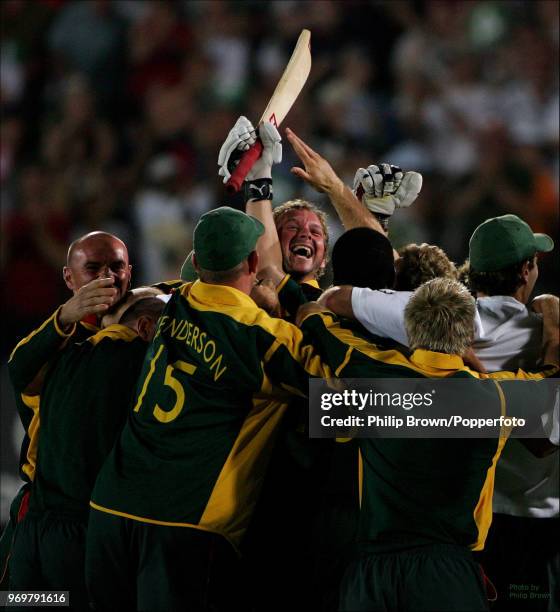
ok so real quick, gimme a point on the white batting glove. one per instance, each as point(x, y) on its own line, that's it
point(382, 188)
point(240, 138)
point(271, 154)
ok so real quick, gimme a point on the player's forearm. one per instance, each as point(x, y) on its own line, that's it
point(350, 211)
point(548, 306)
point(34, 351)
point(339, 300)
point(268, 245)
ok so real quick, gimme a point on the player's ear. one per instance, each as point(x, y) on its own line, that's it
point(524, 273)
point(145, 326)
point(67, 276)
point(253, 260)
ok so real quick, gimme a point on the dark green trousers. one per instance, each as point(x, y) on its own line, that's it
point(7, 537)
point(132, 565)
point(434, 578)
point(48, 553)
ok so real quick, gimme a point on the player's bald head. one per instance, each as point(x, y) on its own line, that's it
point(97, 255)
point(97, 239)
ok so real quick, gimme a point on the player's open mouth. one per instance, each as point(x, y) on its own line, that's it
point(302, 250)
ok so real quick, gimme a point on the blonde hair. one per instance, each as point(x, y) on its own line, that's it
point(419, 263)
point(440, 317)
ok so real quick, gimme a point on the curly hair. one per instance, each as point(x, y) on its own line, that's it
point(501, 282)
point(463, 274)
point(419, 263)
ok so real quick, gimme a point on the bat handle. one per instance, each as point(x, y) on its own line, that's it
point(245, 164)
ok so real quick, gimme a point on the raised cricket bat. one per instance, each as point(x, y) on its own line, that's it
point(285, 94)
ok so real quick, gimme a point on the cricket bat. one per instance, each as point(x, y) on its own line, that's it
point(289, 86)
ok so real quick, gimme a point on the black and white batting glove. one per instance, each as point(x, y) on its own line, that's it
point(383, 187)
point(242, 136)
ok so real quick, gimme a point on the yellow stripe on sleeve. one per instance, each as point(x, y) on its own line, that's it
point(52, 319)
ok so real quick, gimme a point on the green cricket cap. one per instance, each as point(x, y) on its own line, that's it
point(504, 241)
point(224, 237)
point(188, 272)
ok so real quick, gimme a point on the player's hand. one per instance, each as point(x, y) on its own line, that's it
point(271, 154)
point(308, 309)
point(264, 295)
point(471, 359)
point(243, 136)
point(317, 171)
point(240, 138)
point(94, 298)
point(382, 188)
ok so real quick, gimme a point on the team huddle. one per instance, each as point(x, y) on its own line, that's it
point(167, 459)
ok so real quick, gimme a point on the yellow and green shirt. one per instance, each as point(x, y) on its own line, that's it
point(84, 402)
point(419, 491)
point(212, 392)
point(28, 365)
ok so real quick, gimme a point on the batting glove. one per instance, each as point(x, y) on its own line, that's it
point(382, 188)
point(240, 138)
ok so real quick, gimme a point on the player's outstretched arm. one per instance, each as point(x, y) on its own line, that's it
point(320, 175)
point(339, 300)
point(383, 187)
point(257, 187)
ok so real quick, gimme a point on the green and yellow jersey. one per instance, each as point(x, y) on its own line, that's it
point(212, 392)
point(84, 402)
point(419, 491)
point(169, 286)
point(28, 365)
point(292, 295)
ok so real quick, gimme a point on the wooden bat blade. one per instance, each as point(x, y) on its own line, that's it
point(288, 89)
point(291, 82)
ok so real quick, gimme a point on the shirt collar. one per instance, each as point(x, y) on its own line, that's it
point(91, 321)
point(313, 282)
point(211, 295)
point(438, 361)
point(497, 302)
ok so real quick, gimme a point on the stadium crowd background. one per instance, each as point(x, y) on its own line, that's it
point(113, 112)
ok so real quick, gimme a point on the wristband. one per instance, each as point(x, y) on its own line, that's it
point(383, 220)
point(257, 189)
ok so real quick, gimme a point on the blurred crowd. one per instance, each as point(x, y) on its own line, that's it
point(113, 112)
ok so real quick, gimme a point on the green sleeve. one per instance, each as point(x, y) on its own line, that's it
point(291, 360)
point(34, 351)
point(333, 348)
point(168, 286)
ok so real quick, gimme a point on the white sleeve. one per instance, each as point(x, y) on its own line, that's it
point(478, 328)
point(381, 312)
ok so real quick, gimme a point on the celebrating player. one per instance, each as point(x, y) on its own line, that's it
point(98, 273)
point(418, 517)
point(79, 425)
point(175, 496)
